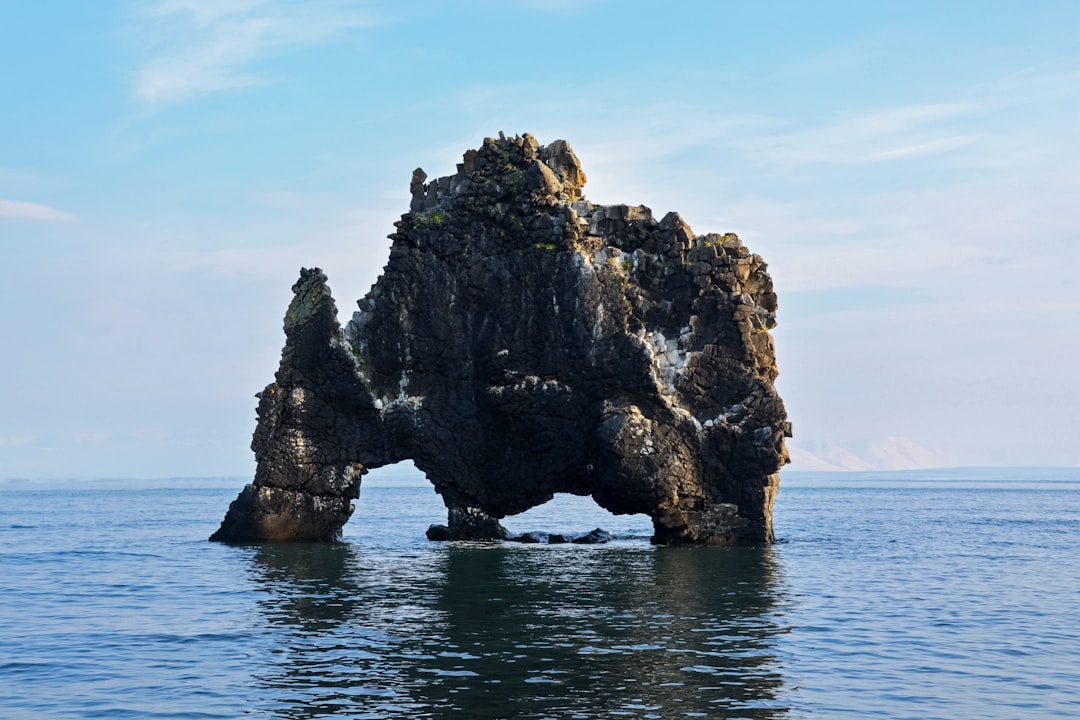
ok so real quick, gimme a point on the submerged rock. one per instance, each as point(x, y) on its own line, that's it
point(593, 537)
point(530, 538)
point(523, 342)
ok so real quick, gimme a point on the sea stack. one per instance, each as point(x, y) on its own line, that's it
point(523, 342)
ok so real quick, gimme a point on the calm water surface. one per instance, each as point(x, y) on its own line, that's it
point(926, 595)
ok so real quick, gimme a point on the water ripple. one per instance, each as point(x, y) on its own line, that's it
point(962, 605)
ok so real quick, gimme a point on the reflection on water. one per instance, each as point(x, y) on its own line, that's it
point(495, 631)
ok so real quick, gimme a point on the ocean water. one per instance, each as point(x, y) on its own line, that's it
point(950, 594)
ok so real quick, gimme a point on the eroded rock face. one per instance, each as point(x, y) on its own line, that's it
point(523, 342)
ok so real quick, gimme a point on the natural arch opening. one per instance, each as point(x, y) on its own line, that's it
point(398, 500)
point(397, 503)
point(567, 517)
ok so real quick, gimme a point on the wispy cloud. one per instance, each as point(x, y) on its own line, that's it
point(197, 47)
point(885, 135)
point(32, 211)
point(930, 147)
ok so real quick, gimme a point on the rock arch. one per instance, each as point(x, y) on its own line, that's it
point(523, 342)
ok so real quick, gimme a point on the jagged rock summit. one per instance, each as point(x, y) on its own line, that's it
point(523, 342)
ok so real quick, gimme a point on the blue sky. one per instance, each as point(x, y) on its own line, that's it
point(910, 171)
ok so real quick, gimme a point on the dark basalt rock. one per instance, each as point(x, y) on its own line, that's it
point(468, 523)
point(523, 342)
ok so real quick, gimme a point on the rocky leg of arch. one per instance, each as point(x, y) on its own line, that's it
point(306, 472)
point(718, 524)
point(269, 514)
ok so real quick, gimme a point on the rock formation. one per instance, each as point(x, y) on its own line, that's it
point(523, 342)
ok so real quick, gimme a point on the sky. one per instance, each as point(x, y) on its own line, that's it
point(909, 170)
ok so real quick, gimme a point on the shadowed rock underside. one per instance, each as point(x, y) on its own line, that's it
point(523, 342)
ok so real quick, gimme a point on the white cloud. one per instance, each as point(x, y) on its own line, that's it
point(14, 441)
point(32, 211)
point(902, 453)
point(833, 460)
point(204, 46)
point(889, 453)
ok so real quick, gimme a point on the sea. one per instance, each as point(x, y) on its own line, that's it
point(901, 595)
